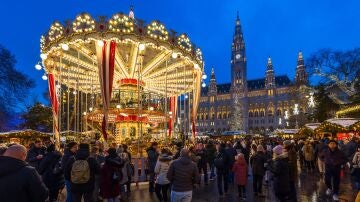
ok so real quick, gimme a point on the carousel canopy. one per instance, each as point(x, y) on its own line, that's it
point(163, 62)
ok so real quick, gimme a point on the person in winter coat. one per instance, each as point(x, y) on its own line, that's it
point(210, 151)
point(152, 159)
point(320, 162)
point(334, 159)
point(69, 153)
point(182, 174)
point(309, 155)
point(20, 182)
point(293, 169)
point(281, 174)
point(110, 175)
point(36, 154)
point(231, 152)
point(100, 159)
point(130, 167)
point(356, 167)
point(202, 162)
point(82, 190)
point(162, 184)
point(52, 173)
point(241, 172)
point(258, 161)
point(222, 164)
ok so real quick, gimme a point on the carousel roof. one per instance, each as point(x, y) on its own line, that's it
point(165, 62)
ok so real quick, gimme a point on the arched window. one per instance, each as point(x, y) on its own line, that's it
point(250, 114)
point(262, 114)
point(256, 114)
point(278, 112)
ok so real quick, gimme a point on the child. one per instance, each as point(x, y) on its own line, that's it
point(241, 173)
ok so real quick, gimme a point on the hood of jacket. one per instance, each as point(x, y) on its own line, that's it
point(82, 154)
point(165, 158)
point(185, 160)
point(9, 165)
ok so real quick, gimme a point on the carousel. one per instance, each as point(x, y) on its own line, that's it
point(119, 76)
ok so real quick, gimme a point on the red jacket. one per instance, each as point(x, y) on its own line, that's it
point(241, 172)
point(108, 188)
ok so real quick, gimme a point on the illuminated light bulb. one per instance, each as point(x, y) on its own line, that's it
point(43, 56)
point(74, 92)
point(65, 47)
point(203, 85)
point(38, 67)
point(141, 47)
point(151, 108)
point(100, 43)
point(118, 106)
point(204, 76)
point(58, 86)
point(186, 96)
point(44, 77)
point(196, 66)
point(174, 55)
point(84, 113)
point(90, 109)
point(170, 112)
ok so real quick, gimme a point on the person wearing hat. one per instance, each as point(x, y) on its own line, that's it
point(281, 174)
point(257, 162)
point(152, 158)
point(334, 159)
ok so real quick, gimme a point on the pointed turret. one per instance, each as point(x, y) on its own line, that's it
point(269, 75)
point(301, 75)
point(131, 13)
point(212, 85)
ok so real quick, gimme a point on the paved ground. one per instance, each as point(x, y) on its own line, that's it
point(310, 188)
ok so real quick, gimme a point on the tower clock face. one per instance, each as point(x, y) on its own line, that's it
point(237, 56)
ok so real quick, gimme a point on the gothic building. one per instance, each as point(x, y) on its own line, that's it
point(253, 106)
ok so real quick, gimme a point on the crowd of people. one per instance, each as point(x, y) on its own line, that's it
point(89, 172)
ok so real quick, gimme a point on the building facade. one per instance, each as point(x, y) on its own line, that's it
point(251, 106)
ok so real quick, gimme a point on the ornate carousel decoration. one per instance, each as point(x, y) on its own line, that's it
point(119, 75)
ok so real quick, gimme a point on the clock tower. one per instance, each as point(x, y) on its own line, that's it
point(238, 60)
point(238, 90)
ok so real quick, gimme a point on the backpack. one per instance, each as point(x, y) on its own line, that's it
point(219, 161)
point(80, 172)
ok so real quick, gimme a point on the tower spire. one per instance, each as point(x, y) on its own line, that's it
point(301, 75)
point(212, 86)
point(269, 74)
point(131, 12)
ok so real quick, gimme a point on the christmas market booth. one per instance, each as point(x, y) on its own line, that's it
point(287, 133)
point(340, 128)
point(24, 137)
point(308, 130)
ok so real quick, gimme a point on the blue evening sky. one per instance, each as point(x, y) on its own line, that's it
point(276, 28)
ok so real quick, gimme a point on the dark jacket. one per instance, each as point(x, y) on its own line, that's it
point(110, 188)
point(231, 152)
point(210, 152)
point(281, 176)
point(83, 154)
point(349, 150)
point(319, 148)
point(257, 162)
point(152, 158)
point(20, 182)
point(333, 158)
point(226, 167)
point(201, 154)
point(293, 169)
point(182, 174)
point(46, 170)
point(67, 155)
point(31, 157)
